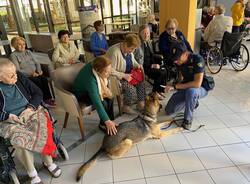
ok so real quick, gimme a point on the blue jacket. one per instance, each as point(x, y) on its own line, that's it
point(30, 91)
point(96, 43)
point(165, 44)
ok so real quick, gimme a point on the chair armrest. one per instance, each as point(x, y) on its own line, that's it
point(68, 101)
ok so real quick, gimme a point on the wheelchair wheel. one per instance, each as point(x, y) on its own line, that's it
point(241, 61)
point(62, 152)
point(214, 60)
point(13, 177)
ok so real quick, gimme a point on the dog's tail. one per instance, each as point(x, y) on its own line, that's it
point(89, 163)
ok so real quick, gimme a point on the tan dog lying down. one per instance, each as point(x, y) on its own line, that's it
point(130, 132)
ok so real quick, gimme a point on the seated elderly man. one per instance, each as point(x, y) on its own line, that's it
point(24, 121)
point(216, 28)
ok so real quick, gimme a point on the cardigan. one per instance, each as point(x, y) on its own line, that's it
point(28, 89)
point(25, 62)
point(217, 27)
point(86, 83)
point(96, 43)
point(61, 55)
point(118, 67)
point(165, 44)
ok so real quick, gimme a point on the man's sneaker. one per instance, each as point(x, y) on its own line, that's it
point(186, 124)
point(196, 105)
point(50, 103)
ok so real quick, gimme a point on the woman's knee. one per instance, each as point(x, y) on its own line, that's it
point(191, 92)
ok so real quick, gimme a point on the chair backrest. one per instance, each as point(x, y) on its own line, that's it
point(64, 77)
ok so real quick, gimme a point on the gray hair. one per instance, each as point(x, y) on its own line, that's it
point(4, 62)
point(220, 8)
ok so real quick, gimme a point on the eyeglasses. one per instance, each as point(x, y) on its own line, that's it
point(171, 28)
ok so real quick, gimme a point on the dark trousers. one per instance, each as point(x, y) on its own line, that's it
point(159, 76)
point(236, 29)
point(107, 104)
point(42, 83)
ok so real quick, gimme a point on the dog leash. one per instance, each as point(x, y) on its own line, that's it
point(178, 124)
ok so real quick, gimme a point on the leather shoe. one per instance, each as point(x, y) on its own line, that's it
point(186, 124)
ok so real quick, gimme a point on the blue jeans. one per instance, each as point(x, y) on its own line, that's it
point(185, 99)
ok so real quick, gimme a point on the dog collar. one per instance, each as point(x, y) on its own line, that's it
point(148, 118)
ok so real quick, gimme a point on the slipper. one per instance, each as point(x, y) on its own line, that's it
point(33, 180)
point(53, 172)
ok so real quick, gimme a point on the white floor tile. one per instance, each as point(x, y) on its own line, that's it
point(132, 152)
point(171, 179)
point(68, 175)
point(195, 178)
point(211, 122)
point(100, 172)
point(238, 153)
point(213, 157)
point(229, 175)
point(175, 142)
point(150, 146)
point(239, 106)
point(245, 169)
point(141, 181)
point(127, 169)
point(156, 165)
point(185, 161)
point(245, 116)
point(243, 132)
point(199, 139)
point(224, 136)
point(202, 111)
point(232, 120)
point(219, 109)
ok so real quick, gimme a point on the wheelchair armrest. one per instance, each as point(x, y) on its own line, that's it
point(158, 56)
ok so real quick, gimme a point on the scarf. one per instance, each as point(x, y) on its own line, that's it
point(102, 84)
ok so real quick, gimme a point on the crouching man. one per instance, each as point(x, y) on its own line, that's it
point(189, 90)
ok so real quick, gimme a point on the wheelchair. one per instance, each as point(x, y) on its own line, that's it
point(8, 173)
point(231, 50)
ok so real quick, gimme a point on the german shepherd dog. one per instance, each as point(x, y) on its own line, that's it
point(130, 132)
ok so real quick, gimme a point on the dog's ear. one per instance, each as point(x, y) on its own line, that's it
point(154, 96)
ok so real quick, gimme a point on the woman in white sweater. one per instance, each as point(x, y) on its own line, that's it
point(65, 53)
point(123, 62)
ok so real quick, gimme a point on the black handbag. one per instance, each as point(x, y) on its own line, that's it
point(208, 82)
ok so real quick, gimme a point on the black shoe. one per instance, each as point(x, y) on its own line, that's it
point(102, 128)
point(186, 124)
point(196, 105)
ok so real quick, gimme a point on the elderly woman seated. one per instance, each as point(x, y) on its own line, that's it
point(24, 121)
point(65, 53)
point(91, 86)
point(145, 56)
point(123, 62)
point(27, 64)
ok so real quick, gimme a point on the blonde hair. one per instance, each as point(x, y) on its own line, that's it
point(101, 62)
point(15, 40)
point(4, 62)
point(132, 40)
point(170, 21)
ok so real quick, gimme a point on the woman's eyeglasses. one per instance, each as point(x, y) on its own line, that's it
point(171, 28)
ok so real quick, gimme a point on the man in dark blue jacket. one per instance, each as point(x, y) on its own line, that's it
point(190, 89)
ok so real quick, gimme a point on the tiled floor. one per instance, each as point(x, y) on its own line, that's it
point(217, 153)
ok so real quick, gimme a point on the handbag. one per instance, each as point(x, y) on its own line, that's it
point(208, 82)
point(137, 76)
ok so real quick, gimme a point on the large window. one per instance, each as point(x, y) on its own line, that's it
point(118, 14)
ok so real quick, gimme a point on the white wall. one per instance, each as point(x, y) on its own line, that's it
point(227, 4)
